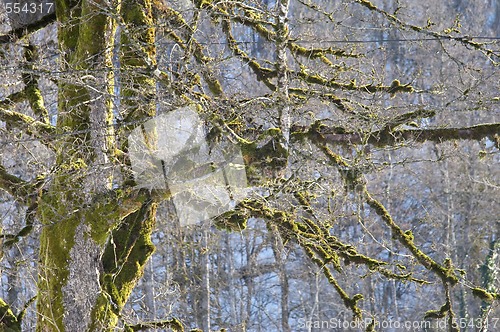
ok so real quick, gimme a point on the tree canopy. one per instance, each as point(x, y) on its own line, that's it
point(367, 131)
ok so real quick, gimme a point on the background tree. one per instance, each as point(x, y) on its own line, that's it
point(369, 132)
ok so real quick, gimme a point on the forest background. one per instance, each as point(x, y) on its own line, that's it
point(369, 133)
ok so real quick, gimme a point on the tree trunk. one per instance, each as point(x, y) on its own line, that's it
point(282, 86)
point(84, 279)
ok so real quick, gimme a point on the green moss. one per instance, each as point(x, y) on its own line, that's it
point(35, 99)
point(356, 298)
point(371, 326)
point(263, 74)
point(336, 159)
point(91, 35)
point(124, 259)
point(106, 312)
point(68, 14)
point(273, 154)
point(434, 314)
point(368, 4)
point(56, 242)
point(112, 290)
point(446, 273)
point(396, 87)
point(106, 213)
point(138, 52)
point(409, 236)
point(442, 312)
point(320, 53)
point(351, 303)
point(176, 325)
point(33, 93)
point(213, 84)
point(232, 221)
point(484, 295)
point(129, 246)
point(101, 225)
point(8, 321)
point(335, 260)
point(203, 3)
point(310, 225)
point(138, 40)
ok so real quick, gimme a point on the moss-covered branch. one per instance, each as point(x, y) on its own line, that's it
point(322, 247)
point(137, 57)
point(33, 93)
point(25, 122)
point(12, 184)
point(189, 44)
point(256, 20)
point(315, 7)
point(385, 137)
point(124, 259)
point(406, 118)
point(353, 179)
point(343, 104)
point(446, 273)
point(22, 121)
point(263, 74)
point(476, 132)
point(319, 53)
point(78, 214)
point(62, 228)
point(243, 14)
point(128, 247)
point(349, 302)
point(21, 190)
point(173, 324)
point(392, 89)
point(8, 321)
point(68, 14)
point(318, 238)
point(446, 310)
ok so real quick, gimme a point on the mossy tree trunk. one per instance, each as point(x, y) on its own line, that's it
point(85, 278)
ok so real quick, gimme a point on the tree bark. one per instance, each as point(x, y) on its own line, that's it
point(81, 287)
point(282, 86)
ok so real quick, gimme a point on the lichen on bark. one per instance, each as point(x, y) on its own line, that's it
point(68, 274)
point(129, 246)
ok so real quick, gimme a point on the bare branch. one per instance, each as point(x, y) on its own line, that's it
point(173, 324)
point(464, 40)
point(438, 135)
point(338, 135)
point(189, 43)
